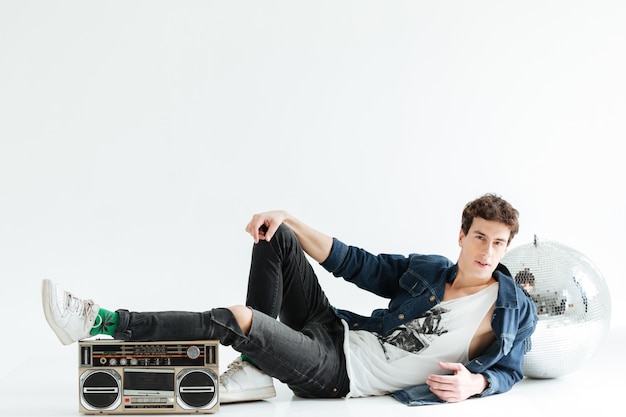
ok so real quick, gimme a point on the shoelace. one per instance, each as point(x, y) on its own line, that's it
point(75, 305)
point(80, 308)
point(233, 367)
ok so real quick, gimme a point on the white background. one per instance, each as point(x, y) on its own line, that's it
point(137, 139)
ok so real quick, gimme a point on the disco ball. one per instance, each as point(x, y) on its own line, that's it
point(573, 306)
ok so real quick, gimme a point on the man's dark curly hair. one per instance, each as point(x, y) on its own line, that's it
point(491, 207)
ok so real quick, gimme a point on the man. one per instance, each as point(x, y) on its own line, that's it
point(450, 331)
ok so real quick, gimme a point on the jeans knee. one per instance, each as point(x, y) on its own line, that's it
point(284, 232)
point(281, 243)
point(243, 315)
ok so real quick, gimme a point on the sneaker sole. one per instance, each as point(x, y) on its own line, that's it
point(46, 290)
point(248, 395)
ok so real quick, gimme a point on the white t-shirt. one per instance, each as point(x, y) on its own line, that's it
point(379, 365)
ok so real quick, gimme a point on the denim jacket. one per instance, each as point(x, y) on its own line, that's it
point(414, 284)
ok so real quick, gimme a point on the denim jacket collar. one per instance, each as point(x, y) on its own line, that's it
point(507, 295)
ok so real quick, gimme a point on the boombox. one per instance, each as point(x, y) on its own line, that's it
point(118, 377)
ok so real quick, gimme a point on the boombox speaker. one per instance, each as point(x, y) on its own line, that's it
point(117, 377)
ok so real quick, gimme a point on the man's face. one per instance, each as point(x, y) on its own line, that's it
point(482, 248)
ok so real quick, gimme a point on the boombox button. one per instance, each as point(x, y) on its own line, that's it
point(149, 400)
point(144, 400)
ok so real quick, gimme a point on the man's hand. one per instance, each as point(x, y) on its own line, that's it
point(457, 387)
point(262, 226)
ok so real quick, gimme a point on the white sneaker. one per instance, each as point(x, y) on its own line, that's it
point(243, 381)
point(70, 317)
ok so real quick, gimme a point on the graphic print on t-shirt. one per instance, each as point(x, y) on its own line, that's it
point(416, 335)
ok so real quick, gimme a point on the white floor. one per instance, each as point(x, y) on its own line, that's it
point(47, 386)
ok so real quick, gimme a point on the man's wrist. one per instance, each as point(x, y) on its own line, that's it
point(482, 383)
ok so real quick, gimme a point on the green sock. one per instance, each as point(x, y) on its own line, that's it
point(247, 359)
point(106, 323)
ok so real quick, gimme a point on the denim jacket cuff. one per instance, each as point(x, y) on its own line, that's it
point(337, 254)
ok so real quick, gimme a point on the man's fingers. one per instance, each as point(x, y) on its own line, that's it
point(452, 366)
point(269, 231)
point(263, 226)
point(254, 226)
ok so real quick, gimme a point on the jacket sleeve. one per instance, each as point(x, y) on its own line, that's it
point(378, 274)
point(507, 371)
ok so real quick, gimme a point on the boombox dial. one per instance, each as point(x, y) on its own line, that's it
point(148, 377)
point(193, 352)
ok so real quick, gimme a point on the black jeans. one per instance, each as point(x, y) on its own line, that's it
point(304, 349)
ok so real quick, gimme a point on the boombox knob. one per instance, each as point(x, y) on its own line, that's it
point(193, 352)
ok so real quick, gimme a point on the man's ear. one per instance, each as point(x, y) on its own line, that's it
point(461, 236)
